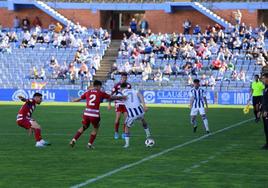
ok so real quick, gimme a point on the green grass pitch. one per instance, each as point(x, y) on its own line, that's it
point(228, 159)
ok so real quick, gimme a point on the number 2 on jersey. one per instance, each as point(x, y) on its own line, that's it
point(92, 98)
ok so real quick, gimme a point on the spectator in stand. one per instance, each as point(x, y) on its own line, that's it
point(72, 72)
point(34, 73)
point(242, 76)
point(186, 26)
point(144, 24)
point(175, 69)
point(83, 71)
point(42, 73)
point(261, 60)
point(16, 23)
point(51, 27)
point(158, 76)
point(47, 38)
point(234, 75)
point(168, 70)
point(230, 66)
point(216, 64)
point(32, 42)
point(26, 39)
point(58, 28)
point(133, 25)
point(127, 67)
point(204, 81)
point(237, 16)
point(190, 80)
point(25, 24)
point(206, 53)
point(147, 72)
point(212, 82)
point(128, 34)
point(197, 30)
point(40, 39)
point(63, 71)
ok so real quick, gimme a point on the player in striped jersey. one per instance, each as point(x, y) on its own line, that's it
point(198, 103)
point(136, 109)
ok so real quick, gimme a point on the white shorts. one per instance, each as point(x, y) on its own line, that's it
point(194, 111)
point(130, 120)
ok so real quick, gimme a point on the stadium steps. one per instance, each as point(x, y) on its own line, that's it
point(207, 12)
point(108, 61)
point(53, 13)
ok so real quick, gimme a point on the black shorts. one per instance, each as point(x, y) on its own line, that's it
point(257, 100)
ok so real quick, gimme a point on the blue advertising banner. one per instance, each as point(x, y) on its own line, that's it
point(235, 98)
point(151, 96)
point(49, 95)
point(171, 97)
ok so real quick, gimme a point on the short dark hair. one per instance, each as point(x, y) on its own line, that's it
point(123, 85)
point(196, 81)
point(123, 74)
point(97, 83)
point(37, 95)
point(256, 75)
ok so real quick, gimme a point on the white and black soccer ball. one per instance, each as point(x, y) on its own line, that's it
point(149, 142)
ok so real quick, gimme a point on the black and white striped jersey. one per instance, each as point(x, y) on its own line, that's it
point(198, 94)
point(133, 104)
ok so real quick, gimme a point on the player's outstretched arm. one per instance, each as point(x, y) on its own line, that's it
point(22, 98)
point(76, 100)
point(142, 101)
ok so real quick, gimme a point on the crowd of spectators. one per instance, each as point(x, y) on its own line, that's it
point(28, 35)
point(215, 48)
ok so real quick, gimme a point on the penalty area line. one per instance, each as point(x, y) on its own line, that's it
point(92, 180)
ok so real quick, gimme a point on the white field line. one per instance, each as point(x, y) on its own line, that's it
point(92, 180)
point(199, 164)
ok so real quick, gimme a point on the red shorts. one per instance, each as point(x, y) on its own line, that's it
point(25, 123)
point(121, 108)
point(87, 120)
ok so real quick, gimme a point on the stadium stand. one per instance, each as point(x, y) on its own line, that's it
point(60, 60)
point(223, 60)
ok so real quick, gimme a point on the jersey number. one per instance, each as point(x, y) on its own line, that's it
point(130, 96)
point(92, 98)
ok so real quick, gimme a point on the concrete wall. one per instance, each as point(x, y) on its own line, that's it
point(84, 17)
point(159, 21)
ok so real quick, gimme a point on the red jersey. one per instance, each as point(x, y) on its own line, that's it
point(117, 92)
point(27, 109)
point(93, 99)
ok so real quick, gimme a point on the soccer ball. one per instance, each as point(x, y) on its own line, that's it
point(149, 142)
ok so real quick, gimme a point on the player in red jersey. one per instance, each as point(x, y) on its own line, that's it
point(24, 118)
point(91, 114)
point(119, 106)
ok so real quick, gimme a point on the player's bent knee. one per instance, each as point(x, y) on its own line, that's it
point(35, 125)
point(85, 127)
point(204, 116)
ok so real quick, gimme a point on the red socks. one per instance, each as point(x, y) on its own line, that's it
point(92, 138)
point(77, 135)
point(116, 127)
point(37, 135)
